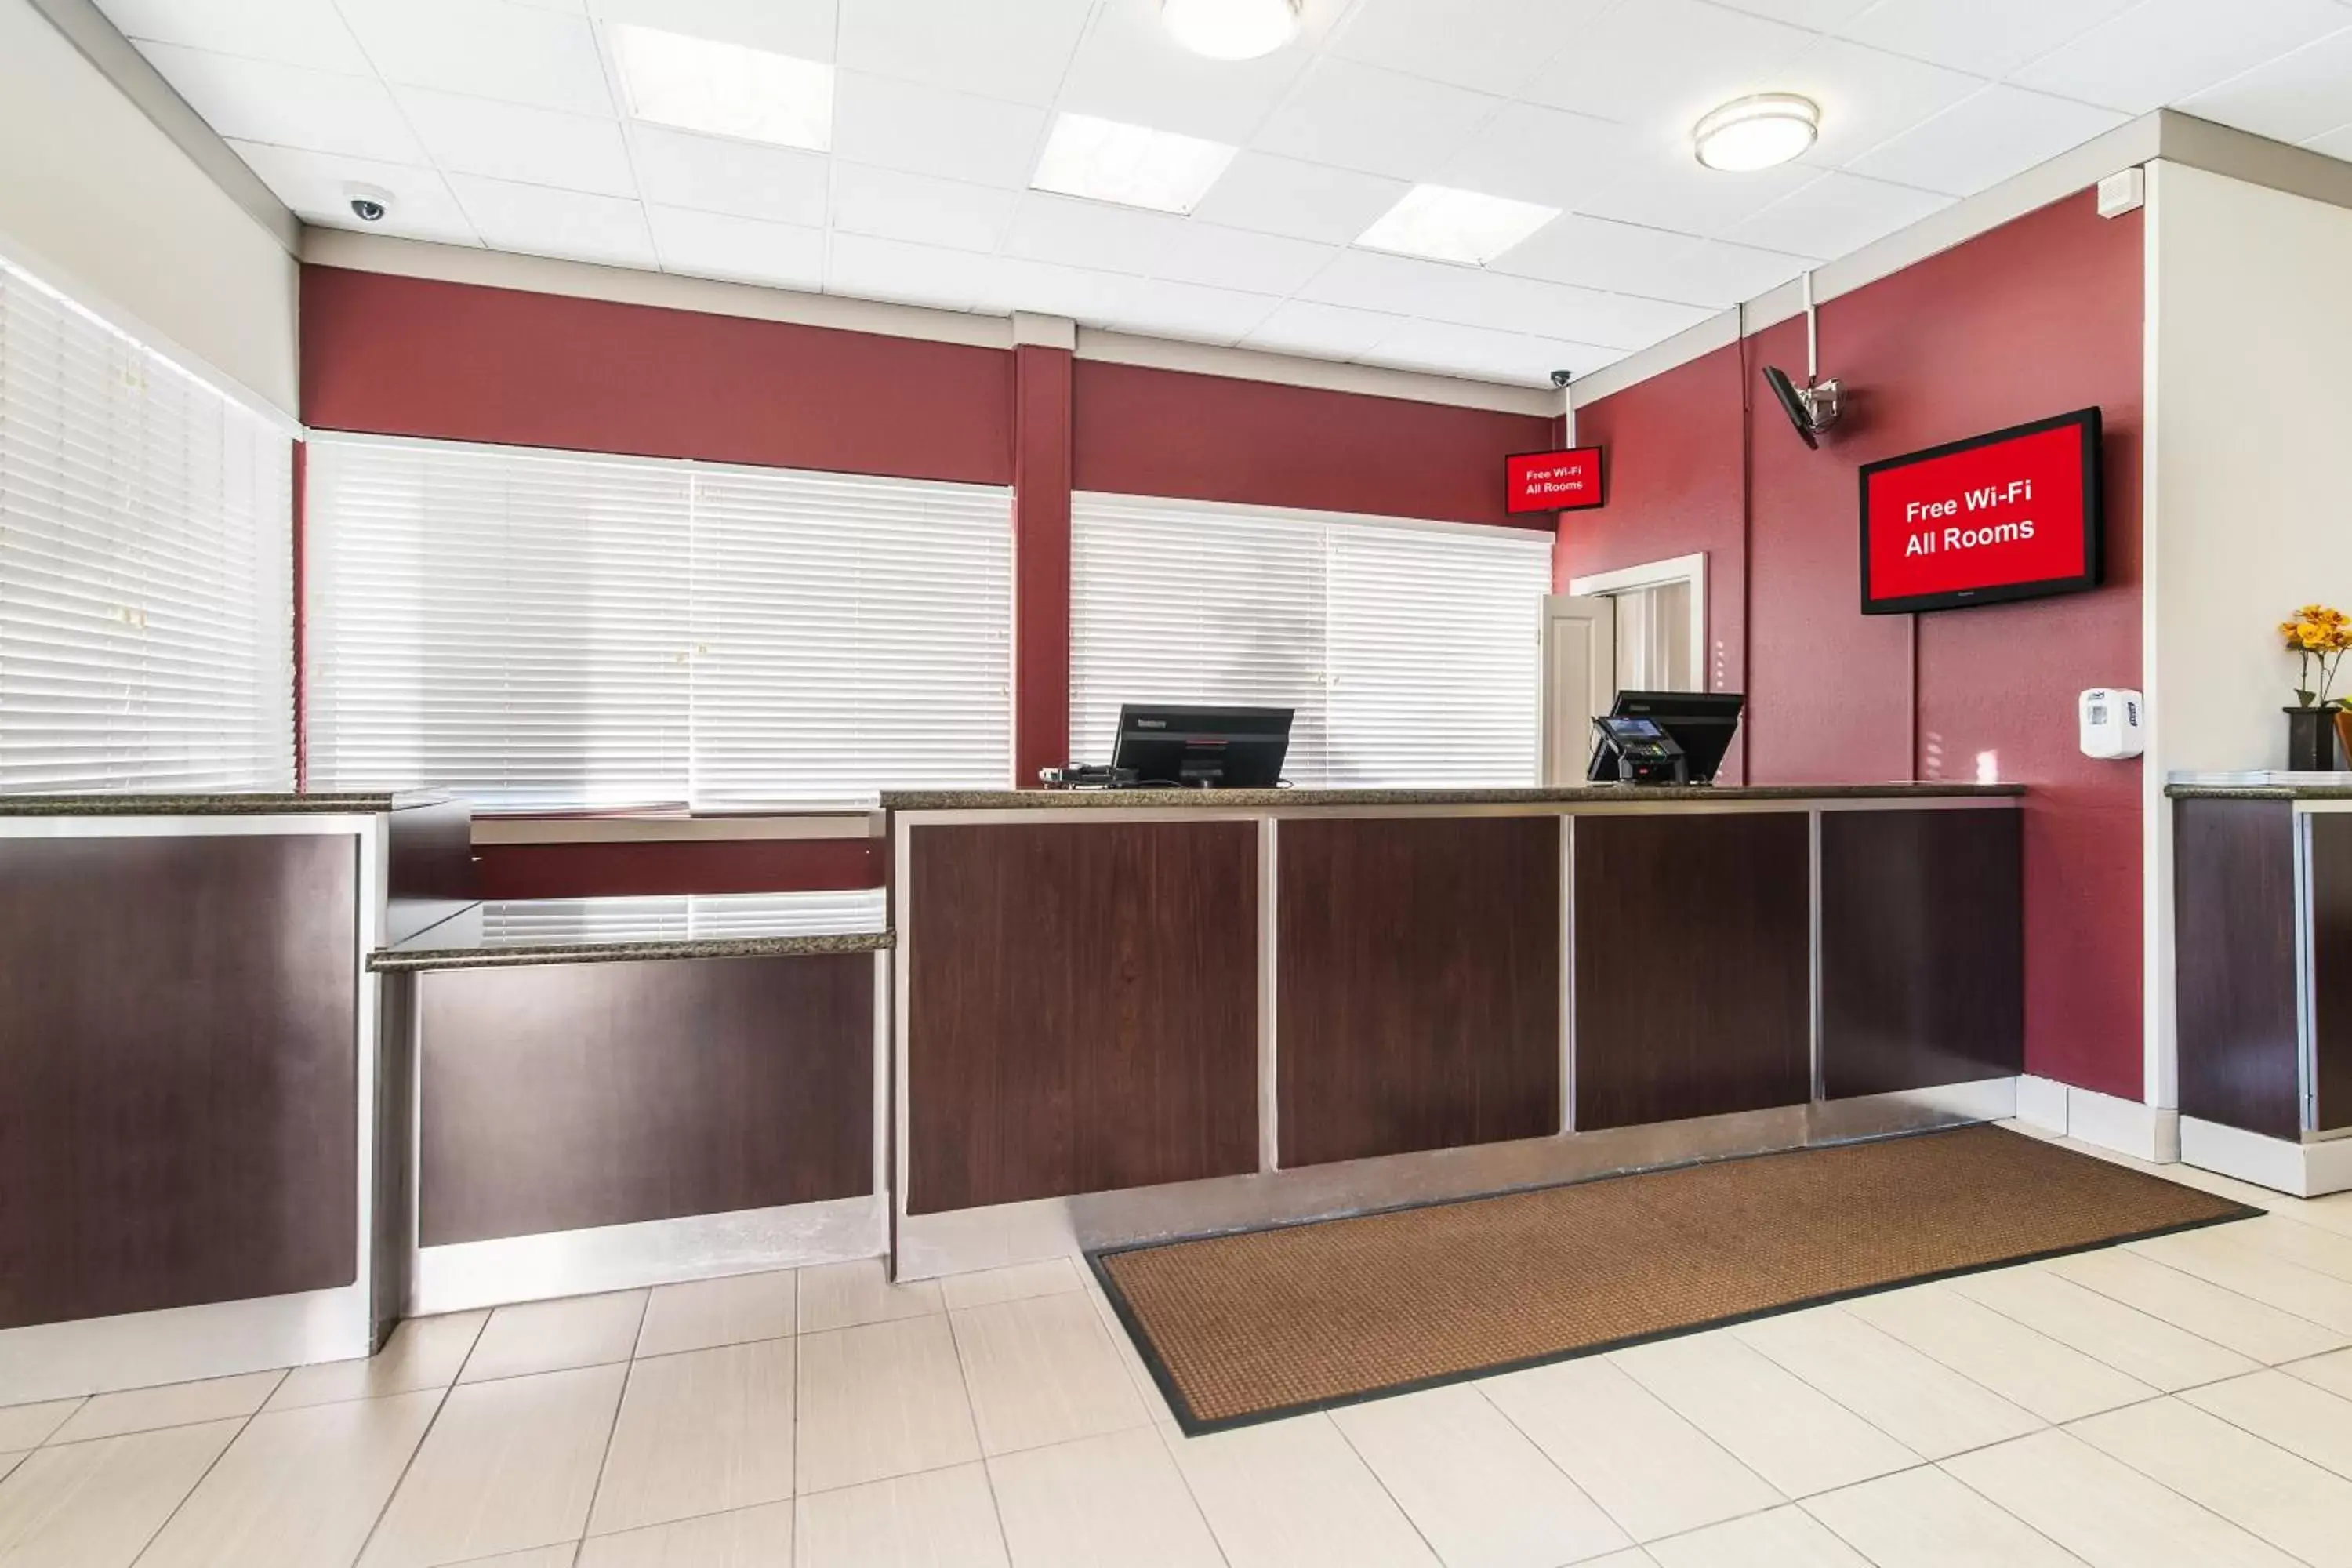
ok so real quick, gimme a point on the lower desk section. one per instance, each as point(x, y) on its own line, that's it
point(1096, 1001)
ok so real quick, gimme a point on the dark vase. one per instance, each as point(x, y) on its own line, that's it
point(2310, 740)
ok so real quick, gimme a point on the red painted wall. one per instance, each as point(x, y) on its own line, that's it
point(2039, 317)
point(1042, 387)
point(623, 869)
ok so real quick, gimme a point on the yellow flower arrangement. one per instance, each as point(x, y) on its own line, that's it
point(2318, 633)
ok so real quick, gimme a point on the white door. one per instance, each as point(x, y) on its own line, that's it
point(1579, 680)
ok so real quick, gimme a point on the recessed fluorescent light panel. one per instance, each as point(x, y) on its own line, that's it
point(1130, 164)
point(723, 89)
point(1447, 225)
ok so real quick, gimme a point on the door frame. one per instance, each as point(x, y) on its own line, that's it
point(1691, 569)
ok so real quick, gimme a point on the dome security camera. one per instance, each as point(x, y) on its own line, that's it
point(369, 203)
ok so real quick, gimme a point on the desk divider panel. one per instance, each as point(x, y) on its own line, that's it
point(2331, 968)
point(2234, 921)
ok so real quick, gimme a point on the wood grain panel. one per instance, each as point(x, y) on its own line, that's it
point(1082, 1007)
point(555, 1097)
point(1417, 984)
point(1923, 949)
point(2233, 938)
point(178, 1104)
point(430, 872)
point(2331, 967)
point(1693, 965)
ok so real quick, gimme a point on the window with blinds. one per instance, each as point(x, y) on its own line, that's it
point(545, 631)
point(1407, 649)
point(146, 566)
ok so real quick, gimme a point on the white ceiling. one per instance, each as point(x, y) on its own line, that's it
point(498, 122)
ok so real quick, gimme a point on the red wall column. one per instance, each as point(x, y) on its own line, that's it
point(1041, 560)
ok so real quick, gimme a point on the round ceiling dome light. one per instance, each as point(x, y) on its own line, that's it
point(1231, 29)
point(1751, 133)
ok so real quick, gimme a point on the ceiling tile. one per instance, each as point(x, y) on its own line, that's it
point(292, 32)
point(1487, 46)
point(1475, 297)
point(955, 135)
point(1164, 309)
point(717, 173)
point(1656, 263)
point(1822, 15)
point(313, 184)
point(288, 106)
point(1327, 332)
point(2337, 143)
point(1985, 140)
point(1012, 51)
point(1375, 280)
point(719, 245)
point(919, 209)
point(2160, 52)
point(1530, 153)
point(1238, 259)
point(514, 141)
point(1129, 69)
point(1867, 95)
point(1661, 64)
point(1081, 293)
point(801, 28)
point(489, 47)
point(1663, 185)
point(1837, 213)
point(1091, 234)
point(868, 268)
point(1305, 201)
point(1378, 121)
point(2292, 99)
point(1518, 357)
point(1990, 37)
point(540, 221)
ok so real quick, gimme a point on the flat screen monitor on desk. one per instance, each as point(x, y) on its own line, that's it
point(1203, 748)
point(1701, 722)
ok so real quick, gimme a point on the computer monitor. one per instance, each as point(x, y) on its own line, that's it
point(1168, 745)
point(1701, 722)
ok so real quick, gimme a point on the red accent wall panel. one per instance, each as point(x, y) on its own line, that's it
point(1041, 562)
point(654, 869)
point(1139, 431)
point(412, 356)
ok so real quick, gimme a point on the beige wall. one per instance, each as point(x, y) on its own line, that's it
point(101, 205)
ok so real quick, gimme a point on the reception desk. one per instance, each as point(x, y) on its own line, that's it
point(1144, 1012)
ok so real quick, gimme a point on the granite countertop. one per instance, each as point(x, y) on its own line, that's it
point(513, 933)
point(1161, 799)
point(225, 804)
point(2258, 786)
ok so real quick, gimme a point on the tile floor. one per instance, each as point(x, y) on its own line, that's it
point(2183, 1401)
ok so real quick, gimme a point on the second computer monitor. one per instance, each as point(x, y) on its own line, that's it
point(1702, 724)
point(1171, 745)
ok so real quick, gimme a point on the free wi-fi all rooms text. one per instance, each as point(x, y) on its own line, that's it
point(1955, 536)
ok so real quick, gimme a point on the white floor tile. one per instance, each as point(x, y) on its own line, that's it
point(1792, 1433)
point(2299, 1416)
point(1925, 1519)
point(845, 1295)
point(174, 1405)
point(1155, 1403)
point(2132, 1341)
point(1910, 1396)
point(757, 1537)
point(1116, 1498)
point(2208, 1311)
point(1784, 1538)
point(883, 1399)
point(554, 1336)
point(1016, 1283)
point(2331, 1371)
point(2214, 1257)
point(9, 1462)
point(96, 1505)
point(29, 1426)
point(2315, 1247)
point(2026, 1368)
point(297, 1489)
point(701, 1432)
point(1479, 1491)
point(557, 1556)
point(2289, 1501)
point(1653, 1472)
point(704, 1314)
point(1041, 1370)
point(423, 1352)
point(2103, 1511)
point(1633, 1557)
point(1292, 1494)
point(940, 1519)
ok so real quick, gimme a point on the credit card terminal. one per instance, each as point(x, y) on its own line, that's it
point(1644, 754)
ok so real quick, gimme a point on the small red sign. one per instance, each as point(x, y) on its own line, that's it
point(1999, 517)
point(1552, 481)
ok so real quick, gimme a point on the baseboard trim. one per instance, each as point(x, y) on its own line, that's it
point(2144, 1131)
point(2301, 1170)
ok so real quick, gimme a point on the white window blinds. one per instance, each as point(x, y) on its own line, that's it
point(146, 566)
point(540, 629)
point(1407, 649)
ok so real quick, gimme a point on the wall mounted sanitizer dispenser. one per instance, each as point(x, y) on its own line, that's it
point(2115, 722)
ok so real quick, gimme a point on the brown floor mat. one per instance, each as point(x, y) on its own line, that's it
point(1263, 1323)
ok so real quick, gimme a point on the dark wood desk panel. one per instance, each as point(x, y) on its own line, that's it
point(178, 1092)
point(1082, 1007)
point(1693, 965)
point(1417, 984)
point(556, 1097)
point(1923, 949)
point(2331, 968)
point(2233, 915)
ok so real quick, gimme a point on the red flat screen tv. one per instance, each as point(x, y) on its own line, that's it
point(2012, 515)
